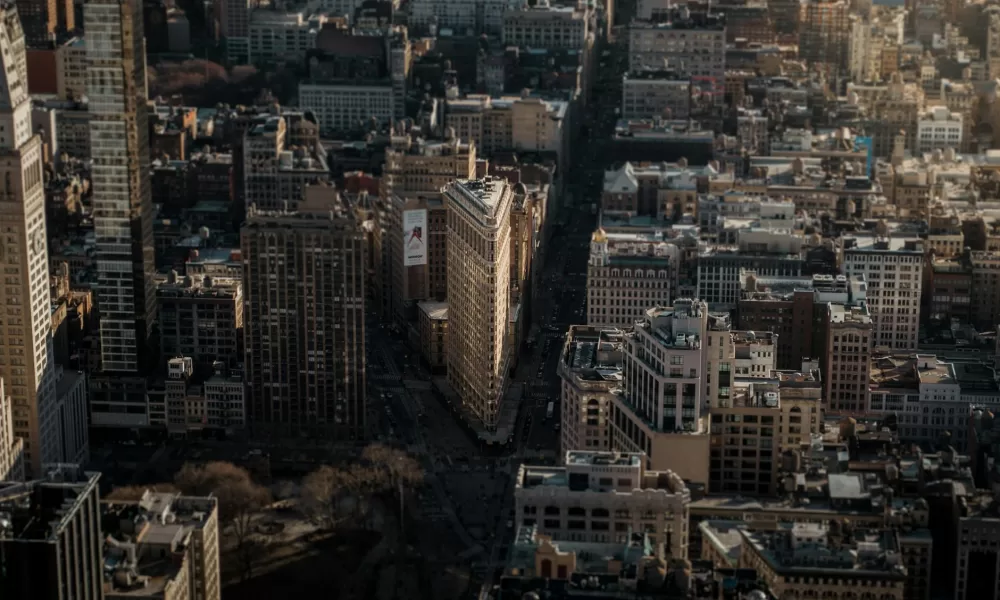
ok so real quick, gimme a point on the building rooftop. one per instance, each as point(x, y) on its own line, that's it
point(806, 548)
point(485, 195)
point(593, 354)
point(435, 311)
point(871, 242)
point(202, 286)
point(146, 541)
point(40, 509)
point(840, 313)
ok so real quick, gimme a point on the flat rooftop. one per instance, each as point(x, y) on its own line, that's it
point(146, 537)
point(435, 311)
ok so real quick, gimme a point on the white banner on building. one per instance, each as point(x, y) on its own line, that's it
point(414, 238)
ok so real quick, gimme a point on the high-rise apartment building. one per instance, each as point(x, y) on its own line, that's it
point(26, 365)
point(661, 411)
point(479, 255)
point(122, 207)
point(605, 497)
point(304, 285)
point(50, 540)
point(892, 267)
point(591, 373)
point(142, 534)
point(849, 338)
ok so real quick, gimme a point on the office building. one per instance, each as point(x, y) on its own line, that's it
point(281, 156)
point(605, 497)
point(590, 369)
point(304, 290)
point(233, 20)
point(892, 267)
point(544, 25)
point(693, 43)
point(652, 94)
point(824, 33)
point(479, 255)
point(27, 370)
point(123, 211)
point(978, 560)
point(661, 412)
point(283, 37)
point(342, 107)
point(527, 124)
point(627, 274)
point(795, 309)
point(768, 253)
point(939, 128)
point(50, 538)
point(201, 316)
point(164, 545)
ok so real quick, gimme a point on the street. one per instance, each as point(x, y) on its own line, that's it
point(473, 492)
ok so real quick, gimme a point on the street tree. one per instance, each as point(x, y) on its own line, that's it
point(133, 493)
point(239, 497)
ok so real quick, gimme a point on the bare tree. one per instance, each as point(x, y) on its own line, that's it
point(240, 498)
point(132, 493)
point(398, 470)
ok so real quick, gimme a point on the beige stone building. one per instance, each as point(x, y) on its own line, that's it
point(661, 412)
point(27, 365)
point(479, 255)
point(892, 266)
point(734, 354)
point(11, 448)
point(750, 433)
point(605, 497)
point(848, 352)
point(590, 370)
point(164, 547)
point(626, 275)
point(511, 123)
point(414, 165)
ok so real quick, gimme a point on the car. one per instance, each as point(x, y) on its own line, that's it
point(510, 523)
point(558, 426)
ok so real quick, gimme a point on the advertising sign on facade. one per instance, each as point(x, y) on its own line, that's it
point(414, 238)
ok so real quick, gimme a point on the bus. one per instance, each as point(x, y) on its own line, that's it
point(549, 410)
